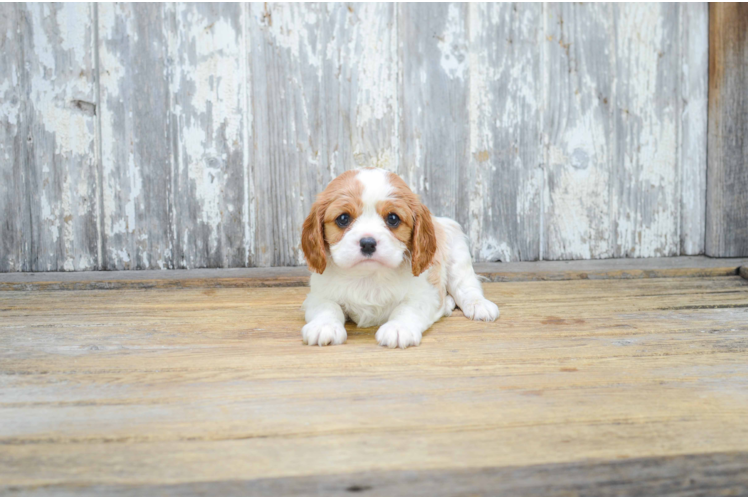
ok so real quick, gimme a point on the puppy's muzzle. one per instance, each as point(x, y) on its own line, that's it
point(368, 246)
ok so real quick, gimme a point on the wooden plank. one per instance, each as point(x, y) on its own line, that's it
point(646, 202)
point(710, 474)
point(137, 137)
point(613, 181)
point(727, 204)
point(324, 100)
point(579, 123)
point(14, 211)
point(692, 156)
point(208, 81)
point(197, 387)
point(434, 135)
point(59, 148)
point(656, 267)
point(299, 276)
point(506, 155)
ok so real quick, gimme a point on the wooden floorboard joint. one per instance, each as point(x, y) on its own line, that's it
point(666, 267)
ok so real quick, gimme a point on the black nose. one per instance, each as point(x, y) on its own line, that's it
point(368, 245)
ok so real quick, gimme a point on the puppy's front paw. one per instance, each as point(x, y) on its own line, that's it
point(324, 333)
point(481, 310)
point(396, 334)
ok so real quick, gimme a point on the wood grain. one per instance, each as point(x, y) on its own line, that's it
point(694, 85)
point(50, 163)
point(675, 267)
point(625, 177)
point(709, 474)
point(15, 251)
point(506, 152)
point(579, 130)
point(727, 205)
point(137, 137)
point(208, 87)
point(172, 387)
point(435, 61)
point(192, 136)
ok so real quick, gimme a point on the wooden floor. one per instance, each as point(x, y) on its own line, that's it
point(581, 387)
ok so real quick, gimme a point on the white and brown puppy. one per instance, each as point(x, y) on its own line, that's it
point(379, 257)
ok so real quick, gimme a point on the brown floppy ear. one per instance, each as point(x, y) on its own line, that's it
point(424, 240)
point(313, 239)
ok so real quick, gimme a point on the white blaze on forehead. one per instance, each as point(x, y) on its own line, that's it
point(377, 187)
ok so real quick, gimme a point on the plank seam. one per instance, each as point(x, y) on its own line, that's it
point(299, 276)
point(100, 262)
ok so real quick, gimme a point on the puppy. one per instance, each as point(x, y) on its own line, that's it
point(379, 257)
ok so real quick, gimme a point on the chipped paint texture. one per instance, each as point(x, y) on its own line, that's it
point(553, 131)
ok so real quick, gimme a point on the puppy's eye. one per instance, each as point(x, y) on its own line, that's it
point(343, 220)
point(393, 220)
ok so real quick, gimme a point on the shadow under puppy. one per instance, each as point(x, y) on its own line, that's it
point(379, 257)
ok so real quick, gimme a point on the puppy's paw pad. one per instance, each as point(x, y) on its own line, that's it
point(395, 334)
point(481, 310)
point(324, 333)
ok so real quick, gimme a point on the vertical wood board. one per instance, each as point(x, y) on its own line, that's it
point(137, 140)
point(14, 215)
point(624, 110)
point(208, 85)
point(727, 195)
point(434, 57)
point(506, 157)
point(51, 163)
point(692, 144)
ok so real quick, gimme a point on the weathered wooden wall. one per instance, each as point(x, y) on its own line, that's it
point(727, 199)
point(137, 136)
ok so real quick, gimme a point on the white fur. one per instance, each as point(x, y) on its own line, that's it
point(381, 289)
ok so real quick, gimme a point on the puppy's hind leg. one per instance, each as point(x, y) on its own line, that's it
point(462, 282)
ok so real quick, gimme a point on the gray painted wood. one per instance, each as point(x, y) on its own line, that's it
point(692, 148)
point(208, 92)
point(434, 116)
point(323, 101)
point(727, 198)
point(578, 125)
point(14, 215)
point(595, 269)
point(50, 138)
point(625, 170)
point(137, 137)
point(644, 194)
point(548, 131)
point(506, 159)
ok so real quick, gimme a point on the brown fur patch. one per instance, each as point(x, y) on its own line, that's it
point(437, 265)
point(404, 231)
point(423, 242)
point(342, 195)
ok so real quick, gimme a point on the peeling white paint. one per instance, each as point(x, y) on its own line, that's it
point(451, 44)
point(618, 164)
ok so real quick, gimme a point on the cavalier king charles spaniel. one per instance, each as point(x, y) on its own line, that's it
point(379, 257)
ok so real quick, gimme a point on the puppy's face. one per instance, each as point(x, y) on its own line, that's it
point(368, 219)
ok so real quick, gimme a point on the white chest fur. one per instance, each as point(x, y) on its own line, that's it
point(368, 298)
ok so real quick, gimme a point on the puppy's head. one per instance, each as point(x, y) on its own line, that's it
point(368, 219)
